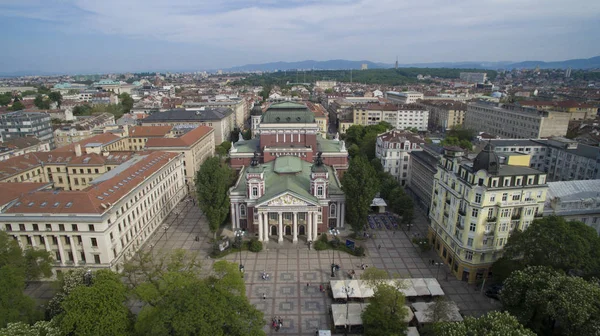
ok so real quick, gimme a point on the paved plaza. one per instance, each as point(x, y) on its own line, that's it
point(295, 272)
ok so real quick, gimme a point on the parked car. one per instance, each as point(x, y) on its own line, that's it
point(494, 292)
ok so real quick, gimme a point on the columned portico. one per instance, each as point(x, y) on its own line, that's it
point(279, 221)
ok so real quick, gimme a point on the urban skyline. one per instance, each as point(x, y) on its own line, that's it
point(109, 36)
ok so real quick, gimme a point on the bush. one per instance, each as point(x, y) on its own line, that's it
point(320, 245)
point(255, 245)
point(359, 251)
point(323, 238)
point(335, 243)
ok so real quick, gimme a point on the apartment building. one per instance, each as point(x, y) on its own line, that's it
point(103, 225)
point(20, 124)
point(444, 114)
point(240, 108)
point(515, 122)
point(473, 77)
point(561, 158)
point(575, 201)
point(575, 109)
point(321, 117)
point(423, 167)
point(82, 128)
point(196, 145)
point(220, 119)
point(22, 146)
point(477, 203)
point(393, 149)
point(408, 97)
point(399, 116)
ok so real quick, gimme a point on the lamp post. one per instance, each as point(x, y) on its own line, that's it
point(165, 228)
point(239, 236)
point(87, 278)
point(421, 244)
point(334, 233)
point(438, 264)
point(408, 226)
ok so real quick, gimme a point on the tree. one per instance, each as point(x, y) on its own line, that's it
point(98, 309)
point(216, 305)
point(5, 98)
point(362, 183)
point(386, 312)
point(353, 150)
point(212, 185)
point(554, 242)
point(40, 328)
point(81, 110)
point(17, 106)
point(550, 302)
point(56, 97)
point(41, 103)
point(492, 324)
point(67, 283)
point(223, 148)
point(126, 101)
point(440, 310)
point(375, 276)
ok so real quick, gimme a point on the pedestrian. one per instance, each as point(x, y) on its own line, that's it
point(321, 288)
point(379, 247)
point(264, 296)
point(307, 284)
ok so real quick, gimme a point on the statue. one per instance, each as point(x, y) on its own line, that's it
point(240, 137)
point(337, 136)
point(254, 161)
point(342, 145)
point(319, 159)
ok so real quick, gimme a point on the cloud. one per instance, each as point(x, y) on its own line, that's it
point(298, 29)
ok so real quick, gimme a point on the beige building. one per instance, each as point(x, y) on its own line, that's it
point(399, 116)
point(82, 128)
point(393, 149)
point(476, 204)
point(196, 145)
point(240, 108)
point(576, 110)
point(103, 225)
point(22, 146)
point(445, 114)
point(408, 97)
point(515, 122)
point(321, 117)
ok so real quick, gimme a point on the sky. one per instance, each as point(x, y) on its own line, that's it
point(93, 36)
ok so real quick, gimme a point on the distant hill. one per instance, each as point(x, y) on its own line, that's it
point(590, 63)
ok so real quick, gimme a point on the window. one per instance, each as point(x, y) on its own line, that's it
point(74, 227)
point(8, 227)
point(91, 227)
point(470, 242)
point(54, 240)
point(332, 210)
point(242, 210)
point(35, 227)
point(67, 240)
point(94, 242)
point(111, 236)
point(475, 213)
point(21, 227)
point(57, 256)
point(473, 227)
point(61, 227)
point(468, 255)
point(516, 197)
point(493, 198)
point(482, 257)
point(504, 197)
point(478, 198)
point(490, 213)
point(255, 191)
point(505, 213)
point(320, 191)
point(48, 227)
point(97, 258)
point(42, 240)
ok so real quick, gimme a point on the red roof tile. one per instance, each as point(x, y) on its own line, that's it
point(185, 140)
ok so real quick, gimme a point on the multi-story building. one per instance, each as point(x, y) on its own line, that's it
point(220, 119)
point(196, 145)
point(477, 203)
point(575, 201)
point(321, 117)
point(423, 167)
point(103, 225)
point(22, 146)
point(82, 128)
point(473, 77)
point(408, 97)
point(445, 114)
point(240, 108)
point(515, 122)
point(325, 84)
point(20, 124)
point(393, 149)
point(399, 116)
point(561, 158)
point(575, 109)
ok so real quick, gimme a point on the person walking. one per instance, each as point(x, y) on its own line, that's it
point(264, 296)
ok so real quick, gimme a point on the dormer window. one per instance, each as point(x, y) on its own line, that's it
point(320, 191)
point(254, 191)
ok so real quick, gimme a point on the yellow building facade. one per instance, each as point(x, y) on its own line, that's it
point(477, 204)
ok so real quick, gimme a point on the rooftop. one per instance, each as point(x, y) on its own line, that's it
point(149, 131)
point(185, 140)
point(287, 112)
point(205, 114)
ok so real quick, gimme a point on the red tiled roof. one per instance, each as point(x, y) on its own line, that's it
point(185, 140)
point(149, 131)
point(97, 198)
point(13, 190)
point(103, 138)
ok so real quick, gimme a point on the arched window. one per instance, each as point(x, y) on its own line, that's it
point(332, 210)
point(242, 210)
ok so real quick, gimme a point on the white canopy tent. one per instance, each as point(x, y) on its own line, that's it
point(360, 289)
point(354, 312)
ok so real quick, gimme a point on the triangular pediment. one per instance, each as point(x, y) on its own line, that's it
point(286, 199)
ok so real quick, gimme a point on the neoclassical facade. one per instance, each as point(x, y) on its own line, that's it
point(287, 199)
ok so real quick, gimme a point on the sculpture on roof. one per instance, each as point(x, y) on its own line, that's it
point(319, 159)
point(337, 136)
point(254, 161)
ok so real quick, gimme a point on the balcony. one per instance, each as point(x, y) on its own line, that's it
point(489, 233)
point(462, 212)
point(515, 216)
point(492, 219)
point(460, 226)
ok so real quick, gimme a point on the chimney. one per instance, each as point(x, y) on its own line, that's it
point(78, 149)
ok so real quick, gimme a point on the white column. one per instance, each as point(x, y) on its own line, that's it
point(237, 216)
point(60, 250)
point(309, 235)
point(343, 214)
point(33, 243)
point(260, 226)
point(232, 216)
point(276, 136)
point(74, 251)
point(280, 229)
point(338, 218)
point(283, 136)
point(295, 231)
point(315, 223)
point(266, 227)
point(298, 136)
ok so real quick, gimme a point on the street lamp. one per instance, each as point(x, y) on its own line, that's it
point(87, 278)
point(334, 233)
point(408, 226)
point(166, 227)
point(239, 236)
point(438, 264)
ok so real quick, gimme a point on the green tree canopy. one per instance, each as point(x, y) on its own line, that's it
point(5, 98)
point(56, 97)
point(386, 312)
point(212, 185)
point(17, 106)
point(551, 303)
point(554, 242)
point(41, 102)
point(98, 309)
point(40, 328)
point(362, 183)
point(126, 101)
point(223, 148)
point(492, 324)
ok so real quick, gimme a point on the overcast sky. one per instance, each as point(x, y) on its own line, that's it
point(82, 36)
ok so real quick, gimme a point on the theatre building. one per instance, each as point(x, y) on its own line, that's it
point(288, 186)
